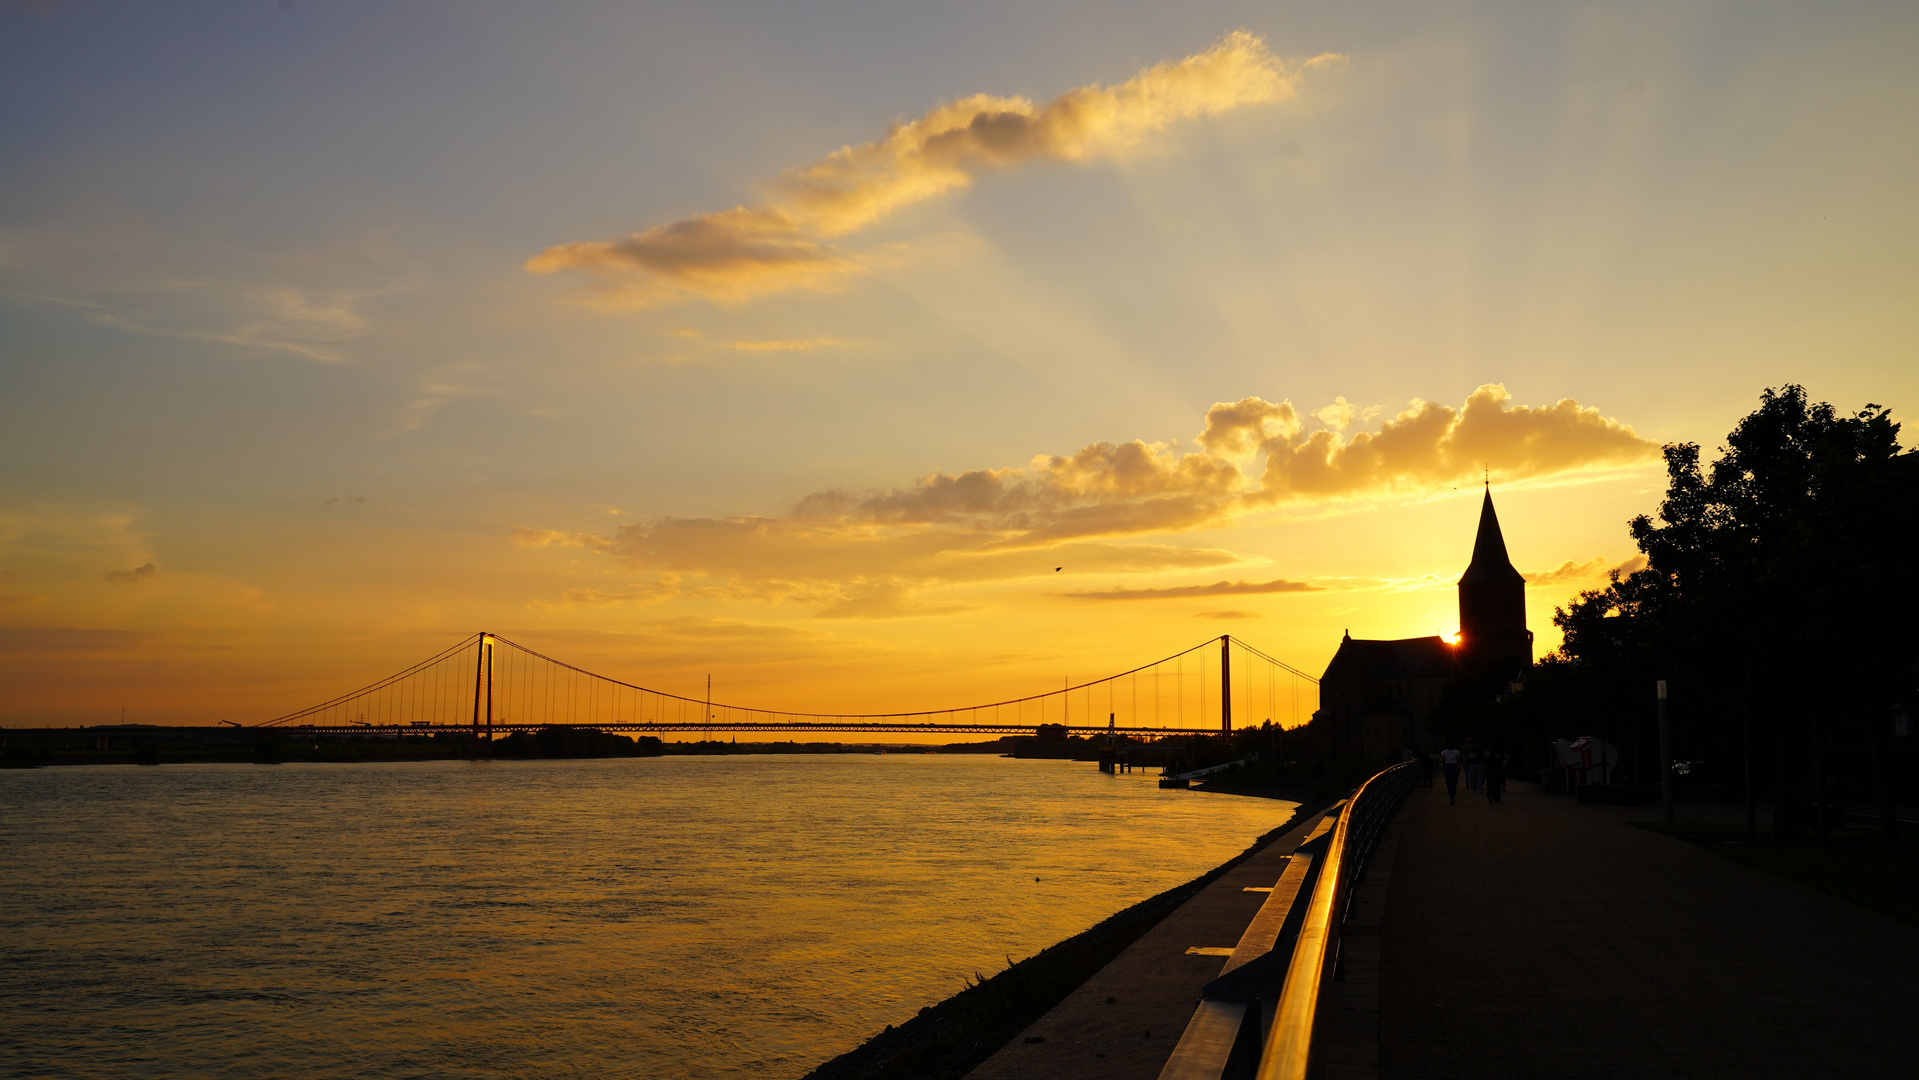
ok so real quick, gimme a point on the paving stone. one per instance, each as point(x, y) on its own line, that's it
point(1156, 986)
point(1541, 938)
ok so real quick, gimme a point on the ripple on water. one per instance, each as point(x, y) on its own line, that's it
point(660, 917)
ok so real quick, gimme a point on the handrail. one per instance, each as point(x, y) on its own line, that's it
point(1289, 1047)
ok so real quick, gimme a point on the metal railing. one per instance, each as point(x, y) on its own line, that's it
point(1288, 1049)
point(1260, 1017)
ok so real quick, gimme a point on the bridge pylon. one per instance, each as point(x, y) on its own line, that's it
point(483, 689)
point(1226, 685)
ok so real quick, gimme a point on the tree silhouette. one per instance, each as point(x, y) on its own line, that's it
point(1779, 588)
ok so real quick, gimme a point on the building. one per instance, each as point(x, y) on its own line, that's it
point(1376, 694)
point(1492, 604)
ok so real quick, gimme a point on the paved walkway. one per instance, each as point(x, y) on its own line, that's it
point(1124, 1022)
point(1541, 938)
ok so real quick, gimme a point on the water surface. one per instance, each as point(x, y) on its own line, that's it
point(663, 917)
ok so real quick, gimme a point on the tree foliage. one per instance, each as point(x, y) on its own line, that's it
point(1779, 581)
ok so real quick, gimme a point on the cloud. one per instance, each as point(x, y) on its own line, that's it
point(734, 254)
point(787, 552)
point(14, 600)
point(886, 600)
point(134, 576)
point(1630, 566)
point(651, 593)
point(1103, 489)
point(1341, 413)
point(1227, 615)
point(134, 276)
point(1217, 588)
point(1429, 446)
point(439, 390)
point(522, 537)
point(872, 554)
point(287, 322)
point(1570, 572)
point(1240, 429)
point(784, 243)
point(784, 346)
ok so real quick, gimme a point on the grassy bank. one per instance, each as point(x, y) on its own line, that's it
point(946, 1041)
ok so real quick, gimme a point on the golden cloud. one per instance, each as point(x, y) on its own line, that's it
point(869, 555)
point(782, 244)
point(1570, 572)
point(1242, 428)
point(134, 576)
point(549, 537)
point(885, 600)
point(1217, 588)
point(730, 255)
point(805, 345)
point(1103, 489)
point(1429, 446)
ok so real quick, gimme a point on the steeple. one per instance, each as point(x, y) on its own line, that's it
point(1490, 561)
point(1492, 601)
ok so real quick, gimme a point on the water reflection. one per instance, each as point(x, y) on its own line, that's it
point(663, 917)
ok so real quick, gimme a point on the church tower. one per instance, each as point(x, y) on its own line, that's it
point(1492, 602)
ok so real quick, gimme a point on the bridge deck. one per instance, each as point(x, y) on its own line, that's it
point(900, 727)
point(1541, 938)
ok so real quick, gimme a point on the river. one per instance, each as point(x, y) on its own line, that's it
point(676, 918)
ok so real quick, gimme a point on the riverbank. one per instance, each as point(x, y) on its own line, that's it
point(948, 1040)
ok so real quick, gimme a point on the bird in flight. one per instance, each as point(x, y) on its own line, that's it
point(1057, 569)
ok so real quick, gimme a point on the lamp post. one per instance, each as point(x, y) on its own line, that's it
point(1752, 804)
point(1665, 753)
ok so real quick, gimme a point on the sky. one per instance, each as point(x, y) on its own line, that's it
point(884, 356)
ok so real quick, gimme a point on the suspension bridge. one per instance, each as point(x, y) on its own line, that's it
point(489, 685)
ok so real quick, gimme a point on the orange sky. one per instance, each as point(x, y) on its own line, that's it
point(800, 351)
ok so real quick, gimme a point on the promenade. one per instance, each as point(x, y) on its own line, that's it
point(1124, 1022)
point(1542, 938)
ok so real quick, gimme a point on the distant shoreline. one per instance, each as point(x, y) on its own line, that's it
point(26, 748)
point(139, 744)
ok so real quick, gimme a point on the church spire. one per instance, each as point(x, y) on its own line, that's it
point(1490, 561)
point(1492, 601)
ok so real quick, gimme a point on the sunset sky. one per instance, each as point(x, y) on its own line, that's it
point(798, 344)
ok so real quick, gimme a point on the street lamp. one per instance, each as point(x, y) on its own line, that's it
point(1665, 752)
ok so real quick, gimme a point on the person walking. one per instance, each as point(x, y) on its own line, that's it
point(1475, 770)
point(1495, 775)
point(1449, 767)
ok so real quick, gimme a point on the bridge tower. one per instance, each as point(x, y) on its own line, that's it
point(1226, 685)
point(483, 687)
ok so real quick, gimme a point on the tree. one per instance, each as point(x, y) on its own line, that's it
point(1779, 581)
